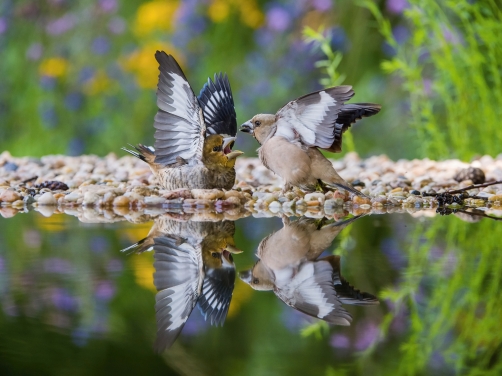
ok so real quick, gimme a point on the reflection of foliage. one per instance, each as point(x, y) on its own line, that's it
point(453, 298)
point(451, 68)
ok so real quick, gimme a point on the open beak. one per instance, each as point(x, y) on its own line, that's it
point(228, 143)
point(247, 127)
point(234, 154)
point(246, 276)
point(233, 249)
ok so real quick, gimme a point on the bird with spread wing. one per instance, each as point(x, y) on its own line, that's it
point(194, 136)
point(193, 266)
point(289, 266)
point(290, 140)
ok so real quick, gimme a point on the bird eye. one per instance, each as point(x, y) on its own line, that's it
point(256, 281)
point(257, 123)
point(216, 148)
point(215, 254)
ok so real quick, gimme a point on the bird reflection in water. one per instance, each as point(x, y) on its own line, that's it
point(193, 265)
point(289, 266)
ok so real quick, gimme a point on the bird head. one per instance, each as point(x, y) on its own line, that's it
point(259, 277)
point(260, 126)
point(217, 251)
point(218, 152)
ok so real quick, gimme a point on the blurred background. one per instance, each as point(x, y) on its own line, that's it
point(80, 76)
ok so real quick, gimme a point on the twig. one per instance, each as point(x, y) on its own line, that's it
point(474, 186)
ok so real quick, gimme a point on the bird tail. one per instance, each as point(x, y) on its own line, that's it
point(355, 111)
point(145, 153)
point(139, 247)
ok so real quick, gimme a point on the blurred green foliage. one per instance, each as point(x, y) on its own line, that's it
point(451, 67)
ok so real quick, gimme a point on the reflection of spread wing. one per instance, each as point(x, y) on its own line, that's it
point(217, 104)
point(346, 293)
point(311, 291)
point(217, 289)
point(320, 118)
point(178, 279)
point(179, 121)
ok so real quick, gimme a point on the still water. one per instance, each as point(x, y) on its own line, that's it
point(397, 294)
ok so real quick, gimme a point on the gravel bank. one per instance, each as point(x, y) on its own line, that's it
point(118, 186)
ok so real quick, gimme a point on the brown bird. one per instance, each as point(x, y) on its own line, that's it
point(194, 136)
point(290, 139)
point(288, 265)
point(193, 266)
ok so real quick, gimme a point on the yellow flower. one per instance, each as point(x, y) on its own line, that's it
point(143, 269)
point(155, 15)
point(251, 15)
point(98, 84)
point(143, 65)
point(53, 67)
point(218, 10)
point(53, 223)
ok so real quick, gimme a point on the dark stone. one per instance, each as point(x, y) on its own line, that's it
point(358, 183)
point(53, 185)
point(9, 166)
point(471, 173)
point(415, 192)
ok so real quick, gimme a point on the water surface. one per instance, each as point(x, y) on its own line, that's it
point(72, 303)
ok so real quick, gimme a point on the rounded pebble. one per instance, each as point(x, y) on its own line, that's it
point(47, 199)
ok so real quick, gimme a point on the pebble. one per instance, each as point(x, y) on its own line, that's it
point(207, 194)
point(47, 199)
point(121, 201)
point(9, 196)
point(90, 199)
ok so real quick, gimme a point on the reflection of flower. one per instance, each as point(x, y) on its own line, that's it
point(73, 100)
point(108, 6)
point(3, 25)
point(53, 67)
point(154, 15)
point(117, 25)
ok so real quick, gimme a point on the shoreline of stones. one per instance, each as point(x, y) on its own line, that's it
point(117, 186)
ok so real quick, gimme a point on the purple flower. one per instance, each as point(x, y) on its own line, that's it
point(100, 45)
point(451, 36)
point(108, 6)
point(61, 25)
point(57, 266)
point(73, 101)
point(367, 334)
point(264, 37)
point(340, 341)
point(86, 74)
point(80, 336)
point(338, 38)
point(117, 25)
point(34, 51)
point(278, 19)
point(114, 266)
point(3, 25)
point(400, 33)
point(2, 264)
point(62, 300)
point(105, 290)
point(322, 5)
point(396, 6)
point(76, 146)
point(48, 115)
point(47, 83)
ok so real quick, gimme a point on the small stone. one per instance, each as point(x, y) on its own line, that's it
point(28, 200)
point(154, 200)
point(316, 196)
point(73, 196)
point(234, 200)
point(90, 199)
point(358, 200)
point(47, 199)
point(333, 203)
point(9, 166)
point(121, 201)
point(476, 175)
point(9, 196)
point(495, 198)
point(415, 192)
point(207, 194)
